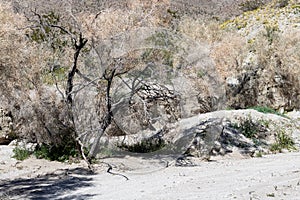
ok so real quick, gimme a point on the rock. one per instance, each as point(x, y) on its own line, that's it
point(4, 140)
point(23, 144)
point(232, 81)
point(255, 85)
point(205, 141)
point(204, 136)
point(284, 151)
point(5, 126)
point(217, 146)
point(184, 162)
point(295, 115)
point(222, 152)
point(13, 143)
point(207, 135)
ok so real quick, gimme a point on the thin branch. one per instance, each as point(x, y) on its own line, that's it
point(86, 78)
point(117, 174)
point(61, 28)
point(60, 92)
point(85, 85)
point(86, 132)
point(83, 154)
point(96, 16)
point(56, 85)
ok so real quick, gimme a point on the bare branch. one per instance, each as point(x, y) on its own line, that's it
point(86, 78)
point(78, 47)
point(85, 85)
point(60, 28)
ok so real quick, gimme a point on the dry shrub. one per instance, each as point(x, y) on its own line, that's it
point(288, 49)
point(21, 61)
point(12, 41)
point(288, 61)
point(200, 29)
point(114, 21)
point(282, 56)
point(267, 69)
point(38, 114)
point(229, 54)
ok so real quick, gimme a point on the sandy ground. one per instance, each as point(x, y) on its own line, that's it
point(270, 177)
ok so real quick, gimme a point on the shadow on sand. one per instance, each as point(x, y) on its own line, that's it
point(62, 184)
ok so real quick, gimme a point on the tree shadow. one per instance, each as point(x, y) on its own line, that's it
point(59, 185)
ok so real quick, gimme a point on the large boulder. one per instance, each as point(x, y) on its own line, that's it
point(242, 133)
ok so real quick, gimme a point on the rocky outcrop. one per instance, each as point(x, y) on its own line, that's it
point(277, 90)
point(267, 69)
point(242, 133)
point(5, 126)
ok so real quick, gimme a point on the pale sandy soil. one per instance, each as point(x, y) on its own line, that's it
point(270, 177)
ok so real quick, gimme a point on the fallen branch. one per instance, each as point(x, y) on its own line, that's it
point(117, 174)
point(83, 155)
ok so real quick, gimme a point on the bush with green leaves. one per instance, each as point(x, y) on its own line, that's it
point(259, 154)
point(248, 128)
point(145, 146)
point(283, 141)
point(60, 153)
point(21, 153)
point(266, 110)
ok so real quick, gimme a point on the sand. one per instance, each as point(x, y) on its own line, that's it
point(269, 177)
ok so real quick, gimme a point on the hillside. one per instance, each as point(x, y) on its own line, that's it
point(170, 94)
point(121, 67)
point(204, 79)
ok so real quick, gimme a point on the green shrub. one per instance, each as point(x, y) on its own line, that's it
point(266, 110)
point(21, 153)
point(271, 195)
point(248, 128)
point(283, 141)
point(271, 32)
point(258, 154)
point(60, 153)
point(145, 146)
point(56, 75)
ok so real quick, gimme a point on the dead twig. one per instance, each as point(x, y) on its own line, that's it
point(117, 174)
